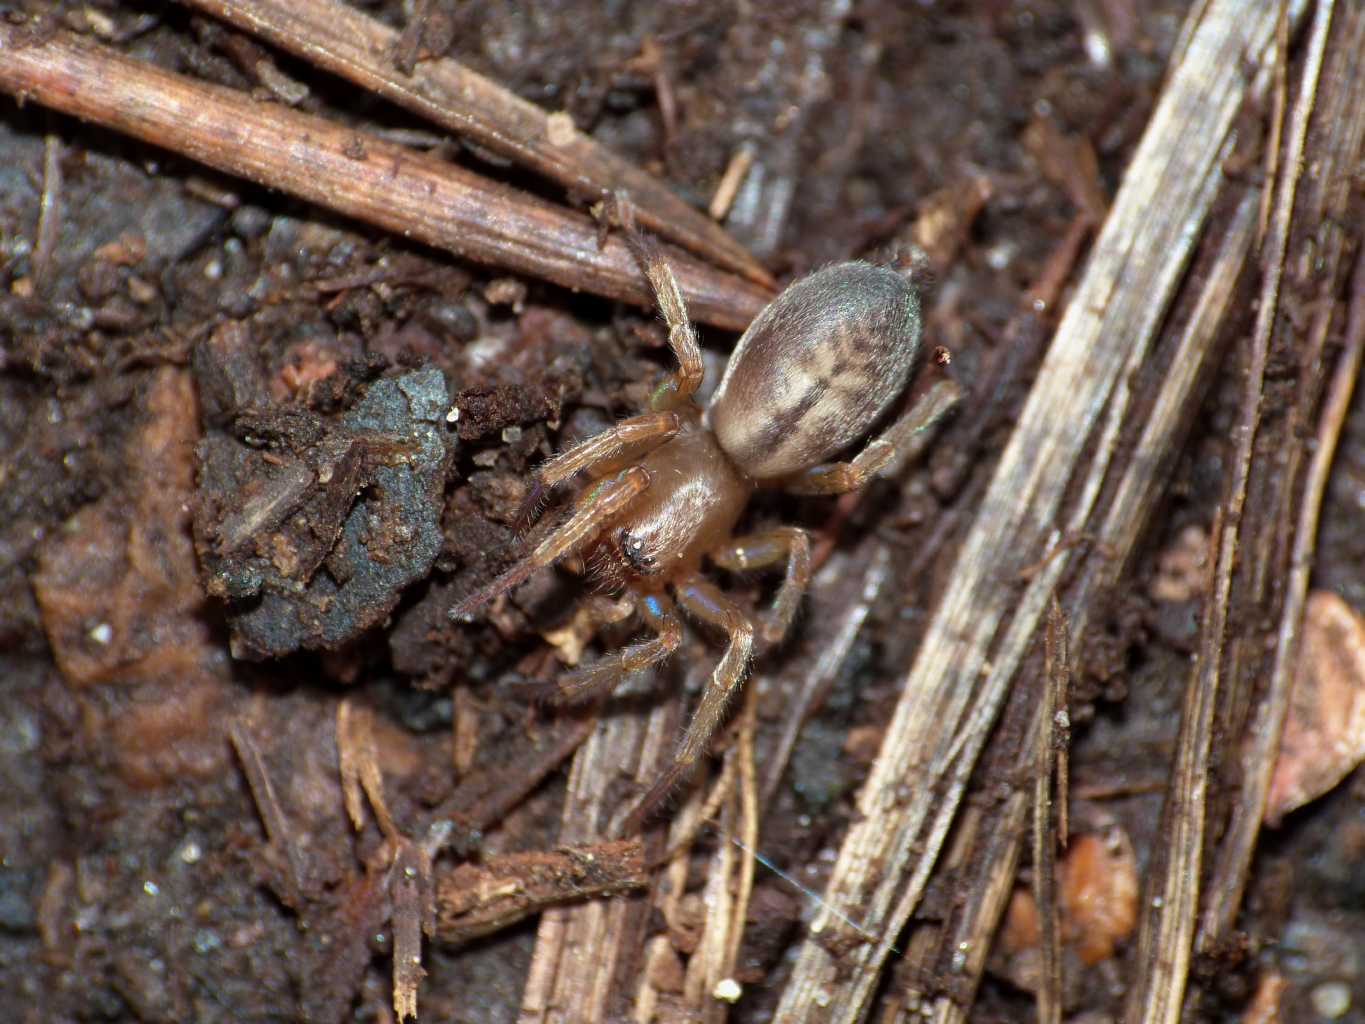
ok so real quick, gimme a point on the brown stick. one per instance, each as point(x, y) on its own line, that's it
point(381, 183)
point(341, 39)
point(474, 900)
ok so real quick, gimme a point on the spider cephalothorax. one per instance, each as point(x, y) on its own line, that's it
point(813, 373)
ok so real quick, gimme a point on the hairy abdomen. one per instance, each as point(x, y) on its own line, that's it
point(816, 369)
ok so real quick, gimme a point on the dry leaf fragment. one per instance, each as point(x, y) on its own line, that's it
point(570, 639)
point(1098, 889)
point(1099, 893)
point(1324, 730)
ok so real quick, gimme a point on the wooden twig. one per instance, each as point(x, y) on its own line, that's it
point(730, 181)
point(1056, 670)
point(407, 866)
point(343, 40)
point(1171, 903)
point(474, 900)
point(1341, 127)
point(278, 833)
point(1133, 501)
point(486, 797)
point(49, 211)
point(605, 935)
point(671, 887)
point(748, 817)
point(1277, 113)
point(1042, 493)
point(410, 193)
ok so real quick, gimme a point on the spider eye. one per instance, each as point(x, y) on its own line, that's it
point(634, 550)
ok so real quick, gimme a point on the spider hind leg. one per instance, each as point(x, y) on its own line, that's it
point(705, 602)
point(602, 675)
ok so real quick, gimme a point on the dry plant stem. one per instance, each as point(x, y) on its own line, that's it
point(1341, 118)
point(1135, 498)
point(983, 625)
point(730, 181)
point(1322, 224)
point(384, 184)
point(850, 583)
point(681, 840)
point(672, 886)
point(1059, 729)
point(49, 211)
point(1172, 893)
point(730, 874)
point(706, 965)
point(343, 40)
point(941, 971)
point(413, 915)
point(406, 44)
point(407, 874)
point(277, 829)
point(358, 763)
point(584, 951)
point(1229, 880)
point(748, 816)
point(1281, 103)
point(474, 900)
point(491, 808)
point(464, 732)
point(1045, 838)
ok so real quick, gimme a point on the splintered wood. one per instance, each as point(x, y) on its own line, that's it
point(1047, 487)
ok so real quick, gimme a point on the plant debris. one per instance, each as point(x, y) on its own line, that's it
point(1324, 732)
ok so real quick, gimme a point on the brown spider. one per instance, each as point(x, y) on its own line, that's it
point(814, 371)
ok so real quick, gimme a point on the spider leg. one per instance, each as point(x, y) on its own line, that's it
point(607, 499)
point(707, 603)
point(905, 438)
point(680, 385)
point(772, 547)
point(603, 674)
point(651, 429)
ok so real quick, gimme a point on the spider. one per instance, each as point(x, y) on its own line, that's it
point(812, 374)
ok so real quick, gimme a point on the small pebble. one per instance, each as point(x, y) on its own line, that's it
point(1331, 1000)
point(250, 221)
point(728, 990)
point(447, 316)
point(559, 128)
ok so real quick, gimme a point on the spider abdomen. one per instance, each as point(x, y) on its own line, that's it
point(816, 369)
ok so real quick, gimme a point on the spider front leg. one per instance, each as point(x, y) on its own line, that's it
point(703, 600)
point(772, 547)
point(678, 387)
point(605, 500)
point(638, 435)
point(905, 438)
point(603, 674)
